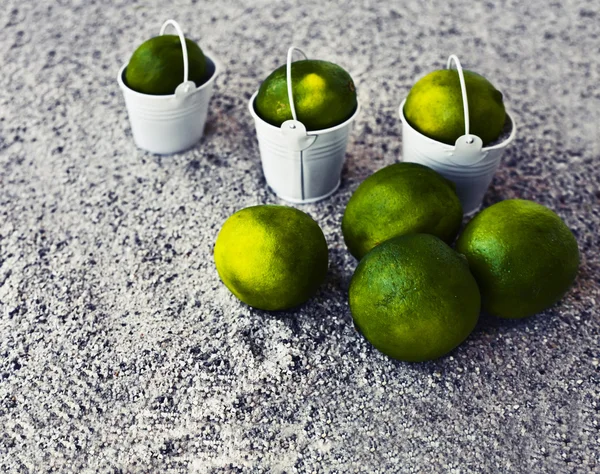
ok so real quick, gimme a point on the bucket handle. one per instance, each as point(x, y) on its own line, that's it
point(186, 85)
point(288, 73)
point(463, 88)
point(294, 130)
point(468, 148)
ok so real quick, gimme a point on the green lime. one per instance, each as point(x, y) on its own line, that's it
point(522, 255)
point(414, 298)
point(324, 95)
point(434, 107)
point(156, 67)
point(403, 198)
point(271, 257)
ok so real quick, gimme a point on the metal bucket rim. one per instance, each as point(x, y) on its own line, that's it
point(161, 98)
point(498, 146)
point(309, 133)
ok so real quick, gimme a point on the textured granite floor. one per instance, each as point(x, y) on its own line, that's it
point(120, 350)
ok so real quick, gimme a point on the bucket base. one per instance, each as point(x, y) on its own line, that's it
point(308, 201)
point(166, 151)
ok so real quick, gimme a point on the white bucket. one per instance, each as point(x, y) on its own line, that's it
point(165, 124)
point(301, 166)
point(468, 164)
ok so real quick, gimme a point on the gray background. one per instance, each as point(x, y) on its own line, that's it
point(121, 351)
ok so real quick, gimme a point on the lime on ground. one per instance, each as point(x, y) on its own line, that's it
point(414, 298)
point(522, 255)
point(403, 198)
point(271, 257)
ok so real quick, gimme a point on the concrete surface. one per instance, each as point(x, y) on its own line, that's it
point(121, 351)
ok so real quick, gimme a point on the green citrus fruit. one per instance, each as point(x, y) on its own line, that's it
point(522, 255)
point(403, 198)
point(324, 95)
point(271, 257)
point(414, 298)
point(434, 107)
point(156, 67)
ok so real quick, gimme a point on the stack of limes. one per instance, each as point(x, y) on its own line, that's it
point(414, 298)
point(411, 296)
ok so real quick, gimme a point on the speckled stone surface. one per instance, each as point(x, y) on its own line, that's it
point(121, 351)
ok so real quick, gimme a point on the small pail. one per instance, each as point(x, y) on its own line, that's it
point(301, 166)
point(468, 164)
point(165, 124)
